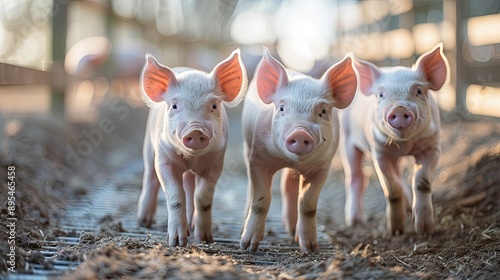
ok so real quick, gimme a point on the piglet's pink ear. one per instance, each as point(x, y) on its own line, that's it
point(434, 66)
point(156, 79)
point(342, 81)
point(230, 75)
point(368, 74)
point(271, 75)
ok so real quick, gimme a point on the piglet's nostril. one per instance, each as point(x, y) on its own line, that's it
point(293, 141)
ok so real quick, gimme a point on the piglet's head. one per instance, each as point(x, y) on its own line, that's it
point(194, 116)
point(402, 93)
point(303, 106)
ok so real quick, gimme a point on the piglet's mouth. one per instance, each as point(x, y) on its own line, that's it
point(394, 134)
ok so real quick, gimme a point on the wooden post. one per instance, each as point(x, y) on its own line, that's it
point(59, 29)
point(462, 77)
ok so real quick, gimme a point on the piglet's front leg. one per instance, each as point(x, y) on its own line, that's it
point(170, 178)
point(203, 199)
point(258, 207)
point(425, 165)
point(390, 179)
point(310, 189)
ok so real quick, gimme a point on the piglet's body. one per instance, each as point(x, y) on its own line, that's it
point(397, 116)
point(185, 142)
point(290, 121)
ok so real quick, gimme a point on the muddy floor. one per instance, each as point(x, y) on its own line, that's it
point(77, 189)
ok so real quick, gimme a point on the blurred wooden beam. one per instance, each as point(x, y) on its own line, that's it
point(14, 75)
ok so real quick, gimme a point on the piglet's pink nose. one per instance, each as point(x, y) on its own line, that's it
point(195, 140)
point(299, 142)
point(400, 117)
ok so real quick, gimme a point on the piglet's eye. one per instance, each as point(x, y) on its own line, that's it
point(323, 111)
point(419, 91)
point(174, 106)
point(214, 106)
point(282, 109)
point(381, 94)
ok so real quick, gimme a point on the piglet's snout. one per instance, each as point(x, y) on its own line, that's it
point(195, 139)
point(400, 117)
point(299, 142)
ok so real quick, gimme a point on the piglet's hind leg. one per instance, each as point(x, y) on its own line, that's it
point(289, 196)
point(355, 185)
point(146, 206)
point(147, 201)
point(188, 182)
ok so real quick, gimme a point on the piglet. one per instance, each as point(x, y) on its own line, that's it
point(185, 141)
point(397, 116)
point(289, 121)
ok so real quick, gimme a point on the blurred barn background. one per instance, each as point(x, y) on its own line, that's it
point(65, 57)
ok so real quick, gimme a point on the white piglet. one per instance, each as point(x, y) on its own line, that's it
point(396, 116)
point(185, 142)
point(290, 121)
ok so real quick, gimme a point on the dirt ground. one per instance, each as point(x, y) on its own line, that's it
point(466, 242)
